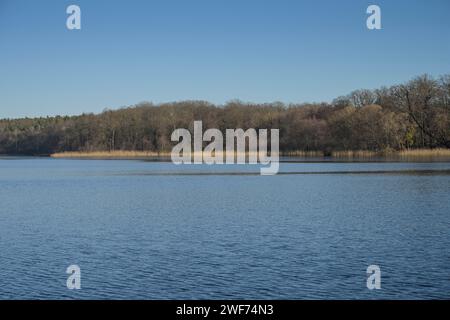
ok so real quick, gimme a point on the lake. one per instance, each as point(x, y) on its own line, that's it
point(153, 230)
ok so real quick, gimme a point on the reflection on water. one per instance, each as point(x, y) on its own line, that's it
point(249, 173)
point(151, 230)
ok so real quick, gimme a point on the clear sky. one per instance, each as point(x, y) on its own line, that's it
point(216, 50)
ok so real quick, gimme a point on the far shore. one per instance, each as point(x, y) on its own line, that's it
point(111, 154)
point(361, 154)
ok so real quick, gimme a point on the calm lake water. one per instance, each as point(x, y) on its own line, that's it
point(152, 230)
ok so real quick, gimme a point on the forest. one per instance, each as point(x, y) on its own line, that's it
point(412, 115)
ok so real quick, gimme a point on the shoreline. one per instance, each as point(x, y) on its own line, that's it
point(406, 155)
point(361, 154)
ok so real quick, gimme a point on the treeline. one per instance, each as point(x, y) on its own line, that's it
point(411, 115)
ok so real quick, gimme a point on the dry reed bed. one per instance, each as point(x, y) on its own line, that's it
point(409, 153)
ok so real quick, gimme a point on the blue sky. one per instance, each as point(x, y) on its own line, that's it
point(215, 50)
